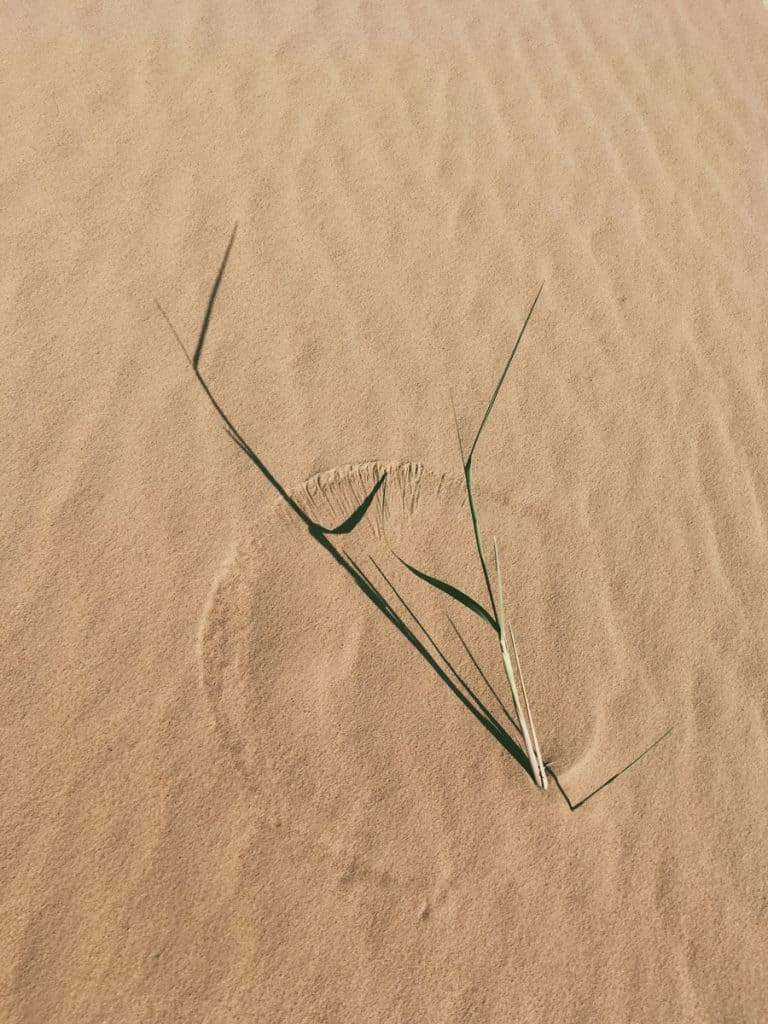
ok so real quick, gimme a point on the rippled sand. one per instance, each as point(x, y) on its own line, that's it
point(234, 788)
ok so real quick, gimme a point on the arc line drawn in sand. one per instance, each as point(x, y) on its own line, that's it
point(321, 534)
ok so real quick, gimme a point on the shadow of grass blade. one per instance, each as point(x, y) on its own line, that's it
point(626, 767)
point(349, 524)
point(212, 300)
point(497, 389)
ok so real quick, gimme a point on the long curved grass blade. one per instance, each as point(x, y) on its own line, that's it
point(351, 522)
point(497, 389)
point(475, 523)
point(446, 588)
point(479, 545)
point(451, 591)
point(448, 664)
point(212, 300)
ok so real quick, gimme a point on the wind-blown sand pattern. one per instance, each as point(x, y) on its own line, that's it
point(233, 790)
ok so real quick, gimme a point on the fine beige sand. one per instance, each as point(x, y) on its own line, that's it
point(233, 788)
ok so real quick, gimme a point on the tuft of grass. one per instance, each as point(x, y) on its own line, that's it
point(494, 617)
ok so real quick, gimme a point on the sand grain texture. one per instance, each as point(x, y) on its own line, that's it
point(232, 789)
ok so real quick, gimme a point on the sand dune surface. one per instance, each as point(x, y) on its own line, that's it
point(256, 772)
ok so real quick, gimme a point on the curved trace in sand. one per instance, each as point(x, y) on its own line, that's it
point(251, 593)
point(317, 684)
point(302, 716)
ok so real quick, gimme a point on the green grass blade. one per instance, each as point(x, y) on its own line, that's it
point(446, 588)
point(498, 622)
point(497, 389)
point(349, 524)
point(451, 591)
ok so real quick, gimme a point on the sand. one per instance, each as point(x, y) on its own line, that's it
point(234, 790)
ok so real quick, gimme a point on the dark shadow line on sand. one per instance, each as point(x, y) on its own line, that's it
point(580, 803)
